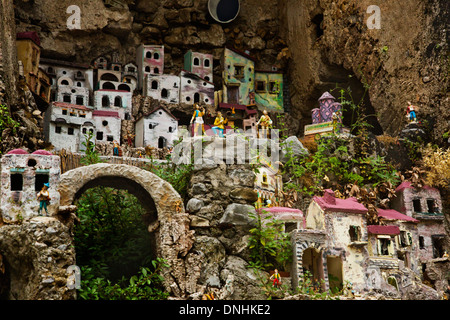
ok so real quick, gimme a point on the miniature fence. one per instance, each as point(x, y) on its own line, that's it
point(71, 160)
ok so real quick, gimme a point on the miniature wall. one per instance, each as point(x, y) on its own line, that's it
point(270, 97)
point(195, 89)
point(22, 178)
point(156, 126)
point(125, 102)
point(107, 128)
point(163, 87)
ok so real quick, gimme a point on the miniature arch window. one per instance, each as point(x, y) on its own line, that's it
point(196, 61)
point(147, 69)
point(164, 93)
point(154, 84)
point(105, 101)
point(124, 87)
point(156, 56)
point(156, 70)
point(64, 82)
point(148, 54)
point(206, 63)
point(118, 101)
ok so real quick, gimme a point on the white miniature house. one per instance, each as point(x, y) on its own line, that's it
point(157, 129)
point(162, 87)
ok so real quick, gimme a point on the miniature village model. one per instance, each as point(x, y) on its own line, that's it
point(240, 195)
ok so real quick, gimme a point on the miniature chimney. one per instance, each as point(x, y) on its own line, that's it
point(329, 197)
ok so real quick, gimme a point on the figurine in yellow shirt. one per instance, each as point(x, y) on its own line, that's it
point(197, 119)
point(219, 124)
point(266, 123)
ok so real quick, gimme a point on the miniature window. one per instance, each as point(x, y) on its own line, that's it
point(206, 78)
point(355, 233)
point(206, 63)
point(84, 130)
point(82, 115)
point(67, 98)
point(110, 138)
point(16, 182)
point(64, 112)
point(170, 129)
point(58, 129)
point(50, 70)
point(104, 123)
point(151, 126)
point(147, 69)
point(99, 135)
point(404, 238)
point(384, 246)
point(154, 84)
point(148, 55)
point(40, 179)
point(196, 97)
point(238, 71)
point(417, 206)
point(31, 163)
point(164, 93)
point(196, 61)
point(79, 101)
point(431, 204)
point(73, 114)
point(421, 242)
point(64, 83)
point(116, 68)
point(438, 245)
point(70, 131)
point(78, 84)
point(131, 69)
point(105, 101)
point(118, 101)
point(273, 87)
point(206, 100)
point(156, 70)
point(188, 99)
point(260, 86)
point(156, 56)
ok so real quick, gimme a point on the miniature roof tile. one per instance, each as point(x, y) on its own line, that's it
point(17, 151)
point(43, 153)
point(104, 113)
point(326, 95)
point(30, 35)
point(72, 106)
point(390, 214)
point(332, 204)
point(408, 185)
point(391, 230)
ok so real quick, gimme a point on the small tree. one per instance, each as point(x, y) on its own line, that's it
point(91, 154)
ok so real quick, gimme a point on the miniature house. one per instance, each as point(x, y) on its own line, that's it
point(149, 60)
point(194, 89)
point(157, 129)
point(406, 241)
point(332, 245)
point(240, 116)
point(162, 87)
point(101, 63)
point(268, 185)
point(72, 94)
point(130, 75)
point(269, 91)
point(108, 125)
point(322, 118)
point(238, 77)
point(22, 177)
point(292, 219)
point(64, 124)
point(200, 64)
point(29, 53)
point(114, 100)
point(424, 205)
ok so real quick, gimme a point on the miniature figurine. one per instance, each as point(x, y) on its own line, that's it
point(44, 198)
point(219, 124)
point(265, 123)
point(130, 138)
point(115, 148)
point(411, 112)
point(276, 278)
point(445, 255)
point(197, 119)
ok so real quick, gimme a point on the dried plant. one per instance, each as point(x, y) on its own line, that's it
point(437, 163)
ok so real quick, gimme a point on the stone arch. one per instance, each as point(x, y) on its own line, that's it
point(170, 223)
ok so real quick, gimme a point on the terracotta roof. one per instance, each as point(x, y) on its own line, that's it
point(43, 152)
point(390, 214)
point(332, 204)
point(17, 151)
point(105, 113)
point(30, 35)
point(373, 229)
point(407, 185)
point(72, 106)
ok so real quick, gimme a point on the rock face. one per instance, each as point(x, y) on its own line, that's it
point(36, 256)
point(400, 62)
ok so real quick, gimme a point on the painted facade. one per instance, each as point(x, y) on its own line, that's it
point(114, 100)
point(149, 60)
point(162, 87)
point(269, 91)
point(157, 129)
point(72, 94)
point(194, 89)
point(200, 64)
point(22, 177)
point(108, 125)
point(238, 77)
